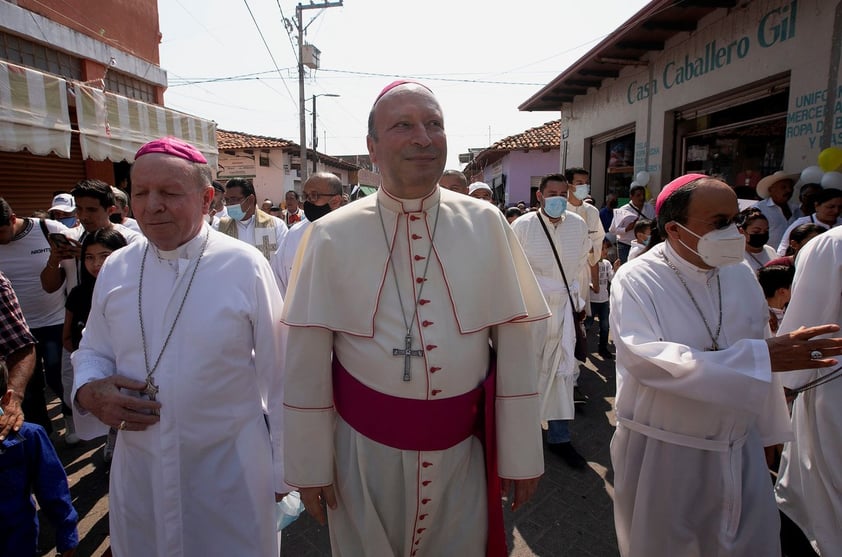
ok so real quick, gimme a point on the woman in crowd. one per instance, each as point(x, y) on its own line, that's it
point(828, 208)
point(755, 227)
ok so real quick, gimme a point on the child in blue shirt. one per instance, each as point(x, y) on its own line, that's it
point(29, 466)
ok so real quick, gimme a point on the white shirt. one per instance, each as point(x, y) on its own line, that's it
point(284, 256)
point(687, 413)
point(606, 274)
point(809, 219)
point(202, 480)
point(810, 476)
point(757, 260)
point(22, 260)
point(626, 215)
point(777, 221)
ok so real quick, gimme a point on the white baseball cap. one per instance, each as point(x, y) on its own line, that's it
point(63, 202)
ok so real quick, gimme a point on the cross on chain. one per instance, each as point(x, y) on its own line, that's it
point(407, 352)
point(151, 391)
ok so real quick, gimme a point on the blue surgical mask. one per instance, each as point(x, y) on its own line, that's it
point(236, 211)
point(555, 206)
point(581, 191)
point(69, 222)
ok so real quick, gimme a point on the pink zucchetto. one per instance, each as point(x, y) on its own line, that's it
point(398, 83)
point(670, 188)
point(172, 146)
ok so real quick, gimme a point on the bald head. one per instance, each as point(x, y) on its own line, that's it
point(406, 140)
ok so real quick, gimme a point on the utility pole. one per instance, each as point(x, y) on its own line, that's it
point(299, 25)
point(315, 135)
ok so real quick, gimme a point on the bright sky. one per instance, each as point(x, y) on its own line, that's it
point(482, 59)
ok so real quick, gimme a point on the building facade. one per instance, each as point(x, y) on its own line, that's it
point(513, 166)
point(80, 90)
point(272, 164)
point(737, 89)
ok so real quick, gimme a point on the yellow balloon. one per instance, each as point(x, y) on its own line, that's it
point(830, 159)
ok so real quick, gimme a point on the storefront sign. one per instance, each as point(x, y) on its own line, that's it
point(807, 120)
point(774, 27)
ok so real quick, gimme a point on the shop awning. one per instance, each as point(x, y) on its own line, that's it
point(33, 112)
point(114, 127)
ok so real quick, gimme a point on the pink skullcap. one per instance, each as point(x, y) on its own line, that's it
point(398, 83)
point(670, 188)
point(172, 146)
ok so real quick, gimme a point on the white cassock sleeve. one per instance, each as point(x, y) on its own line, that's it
point(95, 359)
point(738, 377)
point(519, 450)
point(270, 341)
point(816, 292)
point(309, 414)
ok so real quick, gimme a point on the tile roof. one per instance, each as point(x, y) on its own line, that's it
point(547, 136)
point(237, 140)
point(227, 140)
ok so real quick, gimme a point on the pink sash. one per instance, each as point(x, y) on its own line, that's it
point(429, 425)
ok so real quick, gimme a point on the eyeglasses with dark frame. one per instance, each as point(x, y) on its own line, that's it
point(722, 222)
point(315, 196)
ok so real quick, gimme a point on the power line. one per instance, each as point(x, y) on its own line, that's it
point(269, 50)
point(434, 77)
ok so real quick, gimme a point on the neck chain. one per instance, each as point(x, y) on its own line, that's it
point(714, 338)
point(151, 389)
point(755, 259)
point(407, 351)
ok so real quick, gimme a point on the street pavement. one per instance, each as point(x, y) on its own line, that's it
point(570, 516)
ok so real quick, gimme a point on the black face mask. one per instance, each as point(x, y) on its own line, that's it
point(315, 212)
point(758, 240)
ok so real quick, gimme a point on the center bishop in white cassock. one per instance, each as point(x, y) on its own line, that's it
point(696, 397)
point(809, 488)
point(408, 315)
point(202, 478)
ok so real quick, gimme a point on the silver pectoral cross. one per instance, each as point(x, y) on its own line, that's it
point(407, 352)
point(151, 391)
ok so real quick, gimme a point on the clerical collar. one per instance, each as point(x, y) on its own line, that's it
point(187, 250)
point(689, 270)
point(398, 205)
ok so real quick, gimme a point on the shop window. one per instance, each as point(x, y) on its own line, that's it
point(738, 145)
point(18, 50)
point(619, 171)
point(130, 87)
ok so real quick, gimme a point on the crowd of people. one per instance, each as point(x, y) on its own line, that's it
point(399, 399)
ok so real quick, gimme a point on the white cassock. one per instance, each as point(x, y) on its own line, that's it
point(596, 233)
point(809, 489)
point(342, 297)
point(556, 337)
point(690, 475)
point(201, 481)
point(283, 258)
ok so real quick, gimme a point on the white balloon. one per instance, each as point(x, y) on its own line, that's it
point(812, 175)
point(633, 185)
point(832, 180)
point(642, 178)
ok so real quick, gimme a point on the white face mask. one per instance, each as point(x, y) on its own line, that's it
point(581, 191)
point(718, 248)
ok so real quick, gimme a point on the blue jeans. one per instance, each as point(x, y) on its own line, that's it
point(601, 311)
point(48, 360)
point(559, 431)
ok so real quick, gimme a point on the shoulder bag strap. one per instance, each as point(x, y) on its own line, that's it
point(557, 260)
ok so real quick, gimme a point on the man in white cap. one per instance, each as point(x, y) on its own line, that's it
point(385, 430)
point(64, 210)
point(697, 396)
point(198, 465)
point(481, 190)
point(775, 192)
